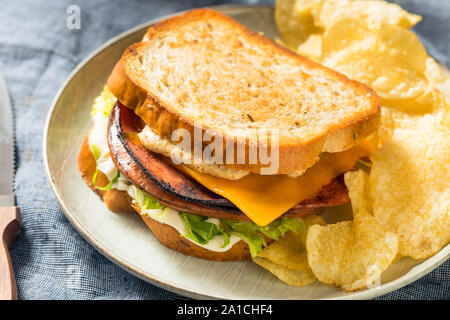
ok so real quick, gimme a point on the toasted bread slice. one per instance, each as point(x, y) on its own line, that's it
point(204, 68)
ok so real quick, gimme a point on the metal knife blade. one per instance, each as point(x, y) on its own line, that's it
point(6, 148)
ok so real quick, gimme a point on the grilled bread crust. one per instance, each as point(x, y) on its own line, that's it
point(203, 68)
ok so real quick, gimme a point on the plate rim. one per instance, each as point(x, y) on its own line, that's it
point(426, 266)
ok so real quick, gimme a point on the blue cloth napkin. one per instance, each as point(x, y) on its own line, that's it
point(37, 52)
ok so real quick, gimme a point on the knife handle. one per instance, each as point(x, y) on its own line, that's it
point(10, 225)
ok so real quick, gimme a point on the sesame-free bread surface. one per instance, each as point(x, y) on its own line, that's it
point(203, 68)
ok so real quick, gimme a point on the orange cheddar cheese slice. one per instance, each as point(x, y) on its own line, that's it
point(264, 198)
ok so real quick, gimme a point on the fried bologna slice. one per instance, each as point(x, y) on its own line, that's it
point(205, 68)
point(119, 201)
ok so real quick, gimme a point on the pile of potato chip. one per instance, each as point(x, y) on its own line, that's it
point(401, 207)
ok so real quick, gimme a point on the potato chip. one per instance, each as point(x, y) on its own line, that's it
point(357, 184)
point(295, 21)
point(438, 77)
point(288, 252)
point(286, 258)
point(401, 206)
point(298, 278)
point(389, 59)
point(346, 34)
point(352, 254)
point(410, 183)
point(373, 13)
point(312, 47)
point(431, 100)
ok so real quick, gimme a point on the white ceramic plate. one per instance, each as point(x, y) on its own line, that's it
point(125, 239)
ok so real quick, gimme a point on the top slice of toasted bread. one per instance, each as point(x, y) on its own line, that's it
point(205, 69)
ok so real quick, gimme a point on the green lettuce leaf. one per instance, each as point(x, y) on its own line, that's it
point(247, 231)
point(278, 228)
point(251, 233)
point(201, 231)
point(96, 152)
point(109, 185)
point(144, 201)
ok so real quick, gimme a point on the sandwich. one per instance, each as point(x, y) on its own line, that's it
point(222, 140)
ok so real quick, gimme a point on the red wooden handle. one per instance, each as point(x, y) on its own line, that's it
point(10, 225)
